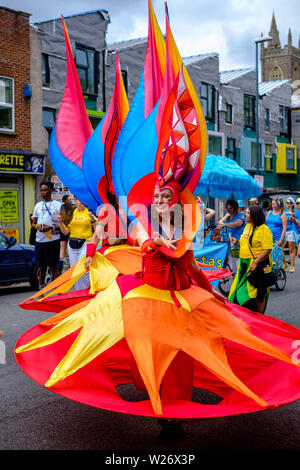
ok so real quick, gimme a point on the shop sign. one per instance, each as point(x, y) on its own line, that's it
point(22, 163)
point(260, 180)
point(60, 189)
point(9, 207)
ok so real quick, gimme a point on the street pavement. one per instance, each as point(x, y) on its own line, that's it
point(33, 418)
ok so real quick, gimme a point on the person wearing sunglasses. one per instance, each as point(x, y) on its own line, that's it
point(253, 201)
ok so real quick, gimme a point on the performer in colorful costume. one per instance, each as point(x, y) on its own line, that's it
point(164, 328)
point(83, 159)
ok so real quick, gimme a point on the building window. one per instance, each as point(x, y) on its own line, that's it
point(268, 157)
point(231, 149)
point(214, 145)
point(228, 116)
point(249, 112)
point(276, 73)
point(290, 158)
point(267, 119)
point(7, 114)
point(86, 63)
point(124, 74)
point(207, 98)
point(49, 115)
point(254, 156)
point(45, 70)
point(284, 121)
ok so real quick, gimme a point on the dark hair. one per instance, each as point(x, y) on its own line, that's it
point(258, 218)
point(233, 203)
point(47, 183)
point(266, 204)
point(280, 203)
point(65, 197)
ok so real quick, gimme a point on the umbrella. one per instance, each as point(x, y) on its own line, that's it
point(223, 178)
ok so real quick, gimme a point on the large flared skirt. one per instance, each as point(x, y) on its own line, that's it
point(99, 383)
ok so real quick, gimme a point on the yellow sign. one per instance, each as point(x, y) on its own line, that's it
point(9, 207)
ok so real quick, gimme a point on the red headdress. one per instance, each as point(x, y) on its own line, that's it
point(177, 159)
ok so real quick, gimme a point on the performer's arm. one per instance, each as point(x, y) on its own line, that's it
point(141, 234)
point(92, 245)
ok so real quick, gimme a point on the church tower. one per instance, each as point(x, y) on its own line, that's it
point(279, 62)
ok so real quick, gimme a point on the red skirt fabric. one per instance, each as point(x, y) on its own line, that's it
point(99, 383)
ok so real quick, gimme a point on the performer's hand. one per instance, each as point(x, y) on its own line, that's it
point(160, 241)
point(88, 262)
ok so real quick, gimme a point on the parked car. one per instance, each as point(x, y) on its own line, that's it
point(17, 262)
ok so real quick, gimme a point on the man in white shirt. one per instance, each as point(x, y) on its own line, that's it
point(47, 240)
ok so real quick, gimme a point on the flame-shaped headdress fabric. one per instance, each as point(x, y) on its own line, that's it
point(99, 151)
point(179, 144)
point(137, 143)
point(179, 147)
point(192, 116)
point(71, 133)
point(154, 65)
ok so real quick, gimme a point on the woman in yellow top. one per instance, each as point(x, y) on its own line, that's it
point(80, 229)
point(256, 244)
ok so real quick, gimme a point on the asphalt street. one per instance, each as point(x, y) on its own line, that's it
point(33, 418)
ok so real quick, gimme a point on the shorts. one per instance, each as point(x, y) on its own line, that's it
point(47, 254)
point(289, 236)
point(64, 238)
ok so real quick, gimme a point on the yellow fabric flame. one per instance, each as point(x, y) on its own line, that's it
point(101, 326)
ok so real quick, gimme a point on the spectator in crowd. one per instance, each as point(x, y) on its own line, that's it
point(296, 220)
point(256, 243)
point(45, 221)
point(276, 221)
point(66, 213)
point(291, 234)
point(232, 225)
point(80, 231)
point(266, 205)
point(253, 201)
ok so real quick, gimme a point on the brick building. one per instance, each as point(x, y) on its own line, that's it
point(20, 159)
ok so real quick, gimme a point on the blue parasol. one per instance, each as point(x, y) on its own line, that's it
point(223, 178)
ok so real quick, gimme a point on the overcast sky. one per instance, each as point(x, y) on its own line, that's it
point(228, 27)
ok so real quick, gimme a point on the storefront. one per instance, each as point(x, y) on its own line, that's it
point(18, 171)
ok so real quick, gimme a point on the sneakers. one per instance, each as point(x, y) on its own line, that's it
point(285, 265)
point(292, 269)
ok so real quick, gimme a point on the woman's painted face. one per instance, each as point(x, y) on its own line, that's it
point(274, 204)
point(162, 199)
